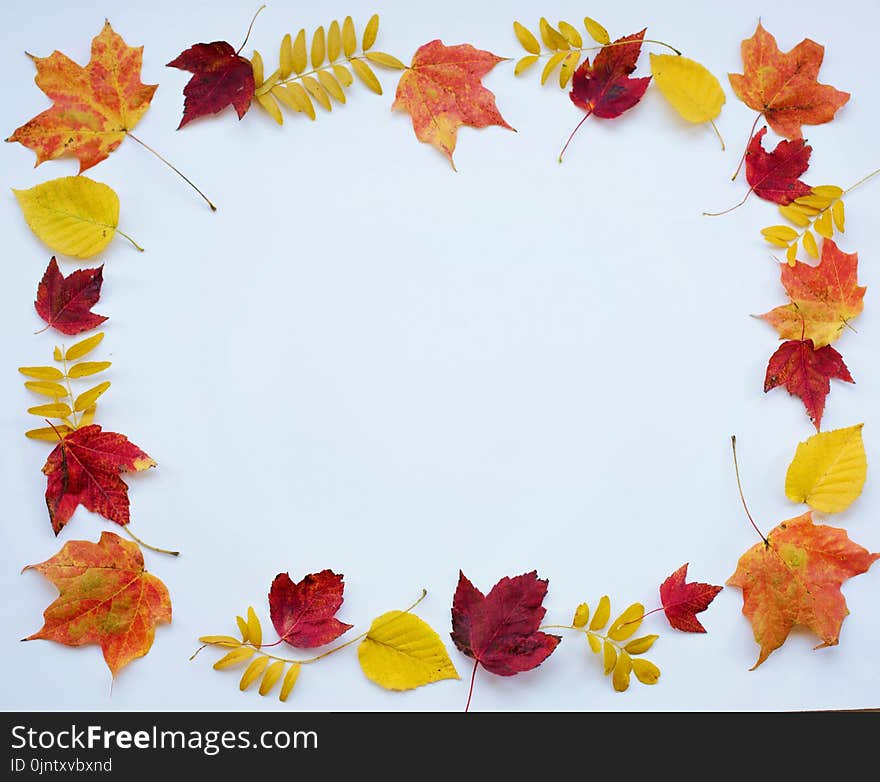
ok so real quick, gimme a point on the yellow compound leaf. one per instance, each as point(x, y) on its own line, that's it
point(837, 212)
point(689, 87)
point(334, 41)
point(602, 615)
point(571, 34)
point(271, 677)
point(54, 410)
point(609, 656)
point(234, 657)
point(242, 628)
point(349, 37)
point(552, 38)
point(83, 347)
point(255, 630)
point(300, 52)
point(620, 678)
point(810, 245)
point(569, 65)
point(526, 39)
point(385, 60)
point(88, 398)
point(42, 373)
point(289, 680)
point(253, 672)
point(646, 672)
point(524, 63)
point(270, 105)
point(73, 215)
point(627, 623)
point(48, 434)
point(370, 32)
point(581, 616)
point(285, 57)
point(85, 368)
point(828, 470)
point(595, 643)
point(641, 645)
point(401, 652)
point(551, 64)
point(596, 31)
point(46, 388)
point(365, 74)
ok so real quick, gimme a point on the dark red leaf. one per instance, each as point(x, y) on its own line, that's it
point(64, 302)
point(773, 176)
point(682, 601)
point(806, 372)
point(303, 613)
point(220, 78)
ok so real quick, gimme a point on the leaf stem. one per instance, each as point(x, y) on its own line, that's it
point(861, 182)
point(467, 706)
point(730, 209)
point(718, 133)
point(69, 390)
point(300, 76)
point(126, 236)
point(577, 128)
point(745, 151)
point(551, 52)
point(741, 495)
point(135, 538)
point(174, 169)
point(250, 27)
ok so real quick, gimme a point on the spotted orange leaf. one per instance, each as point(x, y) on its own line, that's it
point(93, 106)
point(105, 597)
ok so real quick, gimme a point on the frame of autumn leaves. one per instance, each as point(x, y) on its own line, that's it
point(106, 597)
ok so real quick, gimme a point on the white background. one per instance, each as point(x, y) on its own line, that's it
point(368, 362)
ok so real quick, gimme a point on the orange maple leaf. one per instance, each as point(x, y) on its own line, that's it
point(824, 298)
point(93, 107)
point(794, 578)
point(783, 86)
point(105, 597)
point(442, 90)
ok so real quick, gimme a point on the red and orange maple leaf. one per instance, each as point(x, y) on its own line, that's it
point(105, 597)
point(783, 86)
point(795, 578)
point(65, 303)
point(84, 468)
point(303, 613)
point(221, 77)
point(443, 90)
point(773, 176)
point(806, 372)
point(94, 107)
point(683, 600)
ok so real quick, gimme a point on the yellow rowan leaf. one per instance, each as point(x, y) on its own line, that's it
point(603, 613)
point(809, 211)
point(581, 615)
point(781, 233)
point(42, 373)
point(526, 39)
point(596, 31)
point(319, 48)
point(300, 52)
point(816, 201)
point(689, 87)
point(253, 672)
point(551, 64)
point(609, 656)
point(269, 103)
point(219, 640)
point(828, 191)
point(349, 37)
point(568, 67)
point(828, 470)
point(641, 645)
point(73, 215)
point(272, 675)
point(295, 97)
point(595, 643)
point(234, 657)
point(571, 34)
point(552, 38)
point(267, 85)
point(524, 63)
point(257, 67)
point(402, 652)
point(791, 253)
point(620, 678)
point(343, 75)
point(370, 32)
point(333, 87)
point(285, 57)
point(646, 672)
point(627, 623)
point(385, 60)
point(365, 73)
point(823, 226)
point(46, 388)
point(242, 628)
point(317, 91)
point(255, 630)
point(837, 212)
point(87, 417)
point(334, 41)
point(57, 354)
point(87, 398)
point(289, 680)
point(810, 245)
point(54, 410)
point(83, 347)
point(85, 368)
point(796, 216)
point(48, 434)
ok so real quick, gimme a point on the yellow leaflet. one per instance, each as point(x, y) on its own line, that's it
point(552, 37)
point(794, 215)
point(333, 87)
point(334, 41)
point(317, 92)
point(526, 39)
point(219, 639)
point(74, 215)
point(782, 233)
point(343, 74)
point(285, 57)
point(234, 657)
point(809, 211)
point(268, 84)
point(837, 213)
point(48, 433)
point(294, 96)
point(85, 368)
point(823, 225)
point(255, 630)
point(370, 32)
point(810, 246)
point(609, 656)
point(828, 191)
point(87, 417)
point(83, 347)
point(56, 353)
point(319, 48)
point(349, 37)
point(524, 63)
point(571, 35)
point(88, 398)
point(385, 60)
point(627, 623)
point(603, 613)
point(42, 373)
point(402, 652)
point(596, 31)
point(581, 615)
point(274, 671)
point(791, 254)
point(689, 87)
point(816, 201)
point(269, 103)
point(289, 680)
point(242, 628)
point(257, 67)
point(595, 643)
point(54, 410)
point(365, 74)
point(46, 388)
point(299, 54)
point(620, 678)
point(569, 65)
point(253, 672)
point(641, 645)
point(828, 470)
point(646, 672)
point(551, 65)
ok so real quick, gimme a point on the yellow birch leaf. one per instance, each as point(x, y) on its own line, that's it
point(269, 103)
point(46, 388)
point(794, 215)
point(253, 672)
point(289, 680)
point(689, 87)
point(242, 628)
point(810, 244)
point(595, 643)
point(334, 41)
point(73, 215)
point(551, 64)
point(333, 87)
point(627, 623)
point(42, 373)
point(596, 31)
point(257, 67)
point(526, 39)
point(581, 616)
point(641, 645)
point(48, 434)
point(255, 630)
point(343, 75)
point(385, 60)
point(83, 347)
point(54, 410)
point(285, 58)
point(349, 37)
point(646, 672)
point(273, 672)
point(828, 191)
point(300, 52)
point(402, 652)
point(837, 212)
point(85, 368)
point(823, 226)
point(87, 398)
point(552, 37)
point(828, 470)
point(782, 233)
point(603, 613)
point(620, 678)
point(609, 656)
point(571, 34)
point(370, 32)
point(524, 63)
point(87, 417)
point(569, 65)
point(317, 91)
point(365, 74)
point(234, 657)
point(319, 48)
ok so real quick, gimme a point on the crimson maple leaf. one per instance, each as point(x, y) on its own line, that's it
point(65, 302)
point(221, 77)
point(303, 613)
point(83, 469)
point(806, 372)
point(683, 600)
point(604, 88)
point(773, 176)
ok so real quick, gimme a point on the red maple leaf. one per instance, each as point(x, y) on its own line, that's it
point(806, 372)
point(65, 302)
point(604, 88)
point(683, 600)
point(773, 176)
point(500, 630)
point(221, 77)
point(83, 469)
point(303, 612)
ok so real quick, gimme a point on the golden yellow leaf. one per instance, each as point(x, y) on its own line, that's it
point(809, 211)
point(54, 410)
point(791, 253)
point(269, 103)
point(234, 657)
point(595, 643)
point(289, 680)
point(385, 60)
point(319, 48)
point(524, 63)
point(641, 645)
point(273, 672)
point(267, 85)
point(349, 38)
point(295, 97)
point(581, 615)
point(689, 87)
point(781, 233)
point(620, 678)
point(568, 67)
point(87, 417)
point(255, 630)
point(365, 74)
point(370, 32)
point(553, 39)
point(222, 640)
point(333, 87)
point(257, 67)
point(343, 75)
point(56, 353)
point(402, 652)
point(300, 52)
point(837, 212)
point(242, 628)
point(87, 398)
point(609, 656)
point(46, 388)
point(816, 201)
point(828, 191)
point(823, 225)
point(48, 434)
point(317, 91)
point(526, 39)
point(828, 470)
point(810, 246)
point(627, 623)
point(603, 613)
point(253, 672)
point(596, 31)
point(285, 57)
point(83, 347)
point(571, 34)
point(334, 41)
point(646, 672)
point(551, 64)
point(85, 368)
point(794, 215)
point(74, 215)
point(42, 373)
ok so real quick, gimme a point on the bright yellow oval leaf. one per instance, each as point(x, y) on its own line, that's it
point(319, 48)
point(257, 67)
point(234, 657)
point(837, 212)
point(85, 368)
point(794, 215)
point(526, 39)
point(285, 57)
point(581, 615)
point(220, 640)
point(402, 652)
point(627, 623)
point(571, 34)
point(255, 630)
point(42, 373)
point(253, 672)
point(784, 233)
point(551, 65)
point(334, 41)
point(646, 672)
point(689, 87)
point(385, 60)
point(595, 643)
point(810, 244)
point(349, 38)
point(46, 388)
point(370, 32)
point(48, 434)
point(271, 677)
point(268, 102)
point(596, 31)
point(87, 398)
point(83, 347)
point(641, 645)
point(242, 628)
point(366, 75)
point(828, 191)
point(551, 36)
point(524, 63)
point(609, 656)
point(333, 87)
point(300, 52)
point(823, 225)
point(603, 612)
point(828, 470)
point(569, 66)
point(289, 680)
point(620, 678)
point(54, 410)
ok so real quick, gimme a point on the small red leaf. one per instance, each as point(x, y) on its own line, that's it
point(773, 176)
point(682, 601)
point(303, 613)
point(220, 78)
point(806, 372)
point(65, 302)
